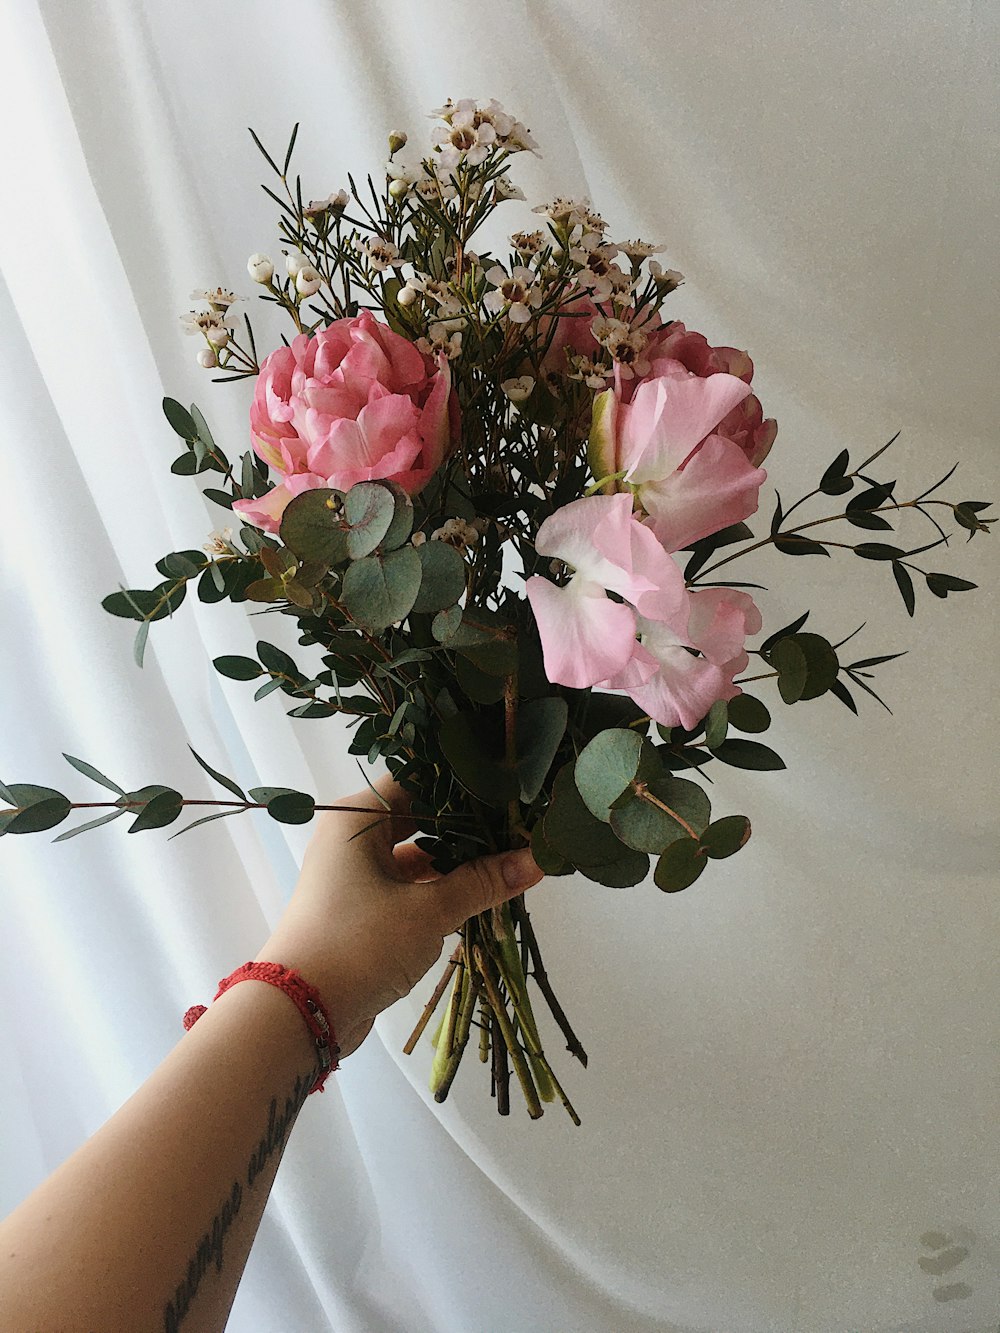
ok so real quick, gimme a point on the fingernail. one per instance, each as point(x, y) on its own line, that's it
point(520, 870)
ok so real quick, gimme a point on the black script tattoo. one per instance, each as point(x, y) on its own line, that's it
point(209, 1249)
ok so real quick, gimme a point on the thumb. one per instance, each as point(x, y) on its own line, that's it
point(479, 885)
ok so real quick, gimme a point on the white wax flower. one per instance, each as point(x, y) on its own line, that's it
point(207, 358)
point(307, 280)
point(294, 260)
point(260, 268)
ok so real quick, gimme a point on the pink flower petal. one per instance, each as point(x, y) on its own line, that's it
point(266, 511)
point(716, 488)
point(669, 416)
point(585, 636)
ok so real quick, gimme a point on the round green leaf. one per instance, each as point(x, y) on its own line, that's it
point(546, 857)
point(369, 508)
point(402, 517)
point(822, 664)
point(630, 868)
point(541, 725)
point(238, 668)
point(725, 837)
point(679, 866)
point(291, 807)
point(645, 826)
point(378, 591)
point(313, 527)
point(788, 658)
point(716, 724)
point(442, 577)
point(572, 831)
point(606, 768)
point(748, 714)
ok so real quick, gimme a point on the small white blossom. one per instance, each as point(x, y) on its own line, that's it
point(528, 242)
point(462, 141)
point(209, 323)
point(307, 281)
point(439, 342)
point(260, 268)
point(219, 543)
point(506, 190)
point(518, 390)
point(418, 539)
point(667, 280)
point(639, 249)
point(593, 373)
point(625, 344)
point(570, 212)
point(381, 254)
point(517, 292)
point(220, 299)
point(207, 358)
point(333, 203)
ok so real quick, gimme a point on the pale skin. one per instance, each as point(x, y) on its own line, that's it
point(148, 1226)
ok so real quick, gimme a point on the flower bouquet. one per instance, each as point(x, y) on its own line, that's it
point(502, 498)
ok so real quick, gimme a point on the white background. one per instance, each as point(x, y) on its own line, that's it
point(793, 1066)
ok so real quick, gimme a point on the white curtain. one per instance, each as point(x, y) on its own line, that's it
point(793, 1066)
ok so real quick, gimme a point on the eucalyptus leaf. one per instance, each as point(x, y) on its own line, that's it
point(159, 810)
point(89, 771)
point(379, 591)
point(472, 743)
point(749, 754)
point(238, 668)
point(228, 783)
point(726, 836)
point(181, 421)
point(91, 823)
point(547, 858)
point(747, 713)
point(608, 765)
point(313, 527)
point(369, 508)
point(572, 831)
point(541, 725)
point(716, 724)
point(644, 823)
point(42, 808)
point(630, 868)
point(679, 866)
point(789, 660)
point(292, 807)
point(442, 577)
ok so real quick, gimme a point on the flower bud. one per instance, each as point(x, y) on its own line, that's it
point(207, 358)
point(260, 268)
point(407, 295)
point(397, 140)
point(307, 280)
point(217, 335)
point(399, 189)
point(294, 260)
point(339, 201)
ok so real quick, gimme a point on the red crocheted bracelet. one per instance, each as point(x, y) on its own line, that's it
point(306, 999)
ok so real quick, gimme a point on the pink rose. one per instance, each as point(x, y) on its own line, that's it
point(353, 402)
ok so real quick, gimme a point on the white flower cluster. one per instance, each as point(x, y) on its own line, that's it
point(458, 533)
point(211, 323)
point(473, 130)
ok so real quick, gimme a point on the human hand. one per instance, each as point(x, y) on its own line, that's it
point(369, 913)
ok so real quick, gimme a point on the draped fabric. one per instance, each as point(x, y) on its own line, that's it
point(793, 1072)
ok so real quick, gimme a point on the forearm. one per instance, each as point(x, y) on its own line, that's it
point(149, 1224)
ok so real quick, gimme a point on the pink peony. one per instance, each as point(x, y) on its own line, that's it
point(353, 402)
